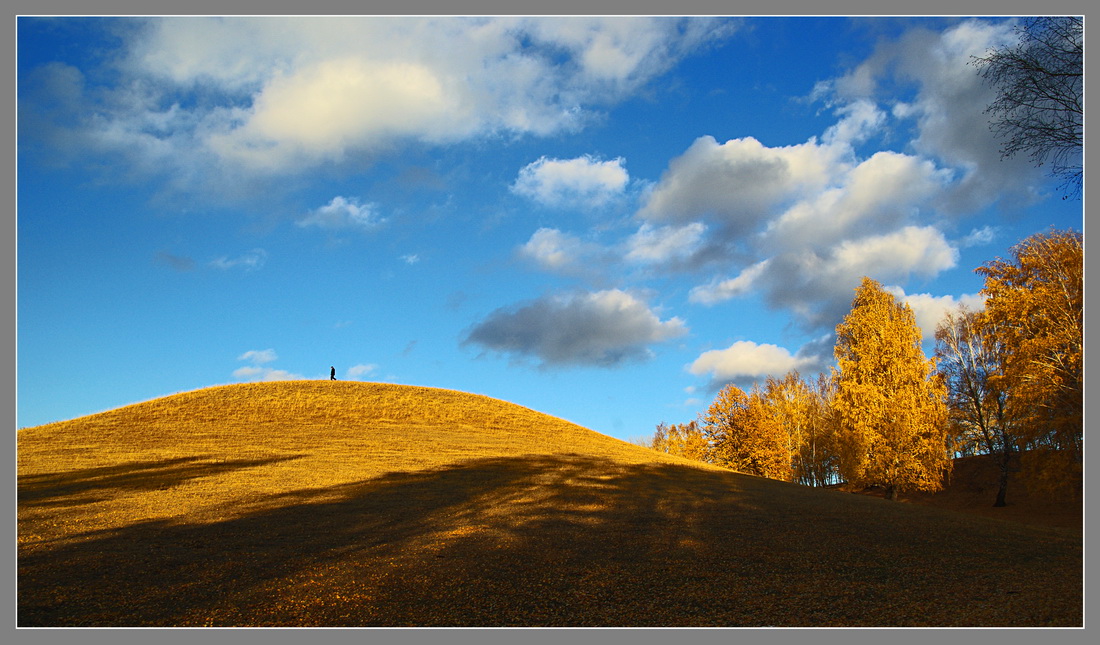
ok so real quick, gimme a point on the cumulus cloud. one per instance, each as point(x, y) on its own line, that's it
point(343, 212)
point(278, 95)
point(255, 373)
point(604, 328)
point(740, 182)
point(947, 110)
point(358, 372)
point(250, 261)
point(802, 223)
point(553, 250)
point(258, 356)
point(745, 362)
point(929, 310)
point(911, 251)
point(817, 285)
point(662, 244)
point(259, 369)
point(875, 195)
point(584, 181)
point(721, 290)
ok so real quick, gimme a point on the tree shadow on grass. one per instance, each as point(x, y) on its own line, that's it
point(559, 541)
point(90, 485)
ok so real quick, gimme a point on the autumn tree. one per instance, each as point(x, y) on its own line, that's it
point(1035, 309)
point(1039, 107)
point(682, 439)
point(982, 420)
point(820, 460)
point(890, 402)
point(745, 436)
point(805, 417)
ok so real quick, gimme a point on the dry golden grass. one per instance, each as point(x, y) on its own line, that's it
point(322, 503)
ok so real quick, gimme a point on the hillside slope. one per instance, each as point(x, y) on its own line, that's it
point(226, 449)
point(321, 503)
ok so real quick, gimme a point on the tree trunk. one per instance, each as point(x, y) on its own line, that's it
point(1006, 455)
point(892, 493)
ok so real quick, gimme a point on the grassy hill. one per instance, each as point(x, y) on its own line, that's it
point(340, 503)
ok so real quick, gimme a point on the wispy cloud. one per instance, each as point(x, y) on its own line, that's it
point(979, 237)
point(286, 94)
point(343, 212)
point(177, 262)
point(664, 244)
point(553, 250)
point(259, 369)
point(249, 261)
point(358, 372)
point(259, 356)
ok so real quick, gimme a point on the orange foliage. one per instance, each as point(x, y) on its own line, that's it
point(1035, 309)
point(890, 403)
point(746, 436)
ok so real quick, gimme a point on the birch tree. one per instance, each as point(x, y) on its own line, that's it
point(982, 420)
point(1035, 310)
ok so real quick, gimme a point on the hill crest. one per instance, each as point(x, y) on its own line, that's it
point(344, 504)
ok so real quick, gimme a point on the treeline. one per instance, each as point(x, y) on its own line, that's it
point(1005, 381)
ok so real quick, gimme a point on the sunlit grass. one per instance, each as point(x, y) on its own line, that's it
point(215, 453)
point(322, 503)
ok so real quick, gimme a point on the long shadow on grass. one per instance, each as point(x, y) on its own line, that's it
point(568, 540)
point(90, 485)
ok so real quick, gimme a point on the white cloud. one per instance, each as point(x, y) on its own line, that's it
point(584, 181)
point(257, 374)
point(873, 196)
point(356, 372)
point(817, 285)
point(929, 310)
point(259, 370)
point(746, 360)
point(343, 212)
point(258, 356)
point(620, 54)
point(654, 245)
point(741, 181)
point(604, 328)
point(278, 95)
point(947, 109)
point(250, 261)
point(553, 250)
point(979, 236)
point(860, 120)
point(912, 250)
point(721, 290)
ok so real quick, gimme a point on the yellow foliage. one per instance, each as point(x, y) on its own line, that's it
point(806, 417)
point(746, 436)
point(890, 403)
point(682, 439)
point(1035, 309)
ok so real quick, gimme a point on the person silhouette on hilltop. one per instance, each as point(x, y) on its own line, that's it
point(332, 374)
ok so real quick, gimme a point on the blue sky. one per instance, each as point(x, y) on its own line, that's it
point(600, 219)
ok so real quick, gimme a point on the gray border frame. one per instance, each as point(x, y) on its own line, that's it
point(8, 325)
